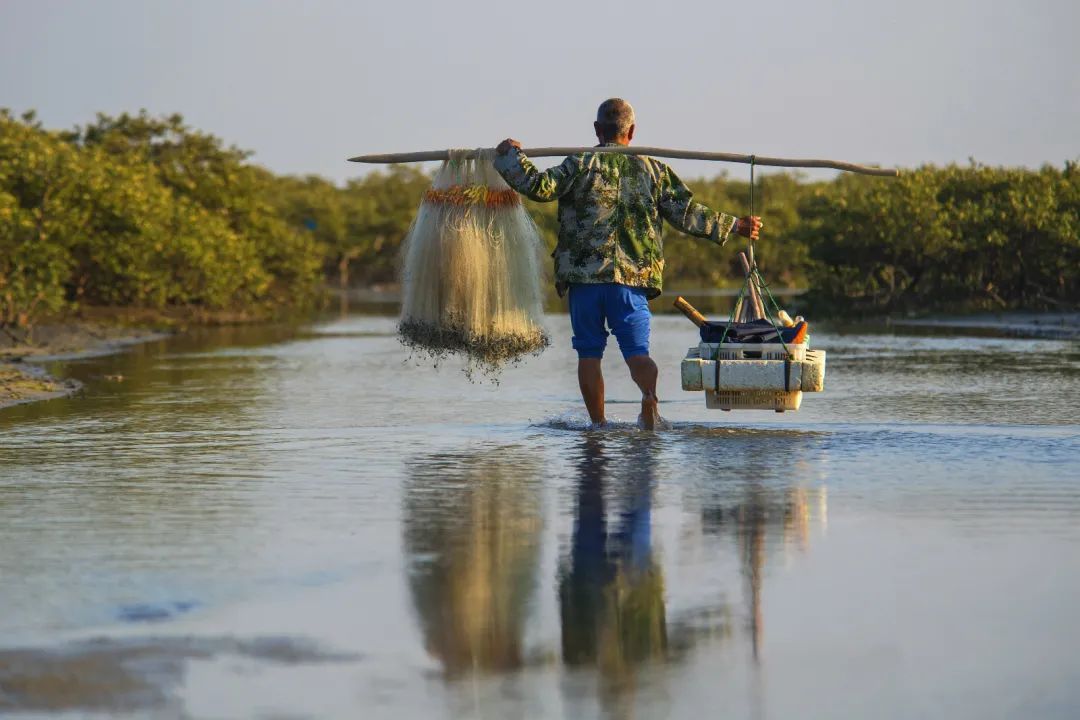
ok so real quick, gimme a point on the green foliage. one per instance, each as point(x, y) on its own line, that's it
point(381, 209)
point(141, 211)
point(361, 226)
point(695, 263)
point(39, 218)
point(136, 211)
point(961, 238)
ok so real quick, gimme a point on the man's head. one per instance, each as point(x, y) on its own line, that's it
point(615, 122)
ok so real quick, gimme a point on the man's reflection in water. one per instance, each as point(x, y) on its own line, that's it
point(472, 530)
point(611, 587)
point(472, 533)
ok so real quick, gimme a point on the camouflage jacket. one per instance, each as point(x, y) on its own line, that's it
point(610, 210)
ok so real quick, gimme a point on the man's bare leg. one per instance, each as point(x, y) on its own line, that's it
point(591, 380)
point(644, 372)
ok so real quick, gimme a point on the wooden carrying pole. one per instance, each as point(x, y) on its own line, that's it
point(655, 151)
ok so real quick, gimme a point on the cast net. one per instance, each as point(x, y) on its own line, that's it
point(471, 275)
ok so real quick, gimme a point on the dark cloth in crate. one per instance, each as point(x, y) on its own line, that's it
point(756, 331)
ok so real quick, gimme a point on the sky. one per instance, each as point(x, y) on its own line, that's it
point(307, 84)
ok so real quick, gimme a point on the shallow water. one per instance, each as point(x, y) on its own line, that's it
point(273, 522)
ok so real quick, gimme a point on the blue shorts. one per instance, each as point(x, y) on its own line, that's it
point(626, 310)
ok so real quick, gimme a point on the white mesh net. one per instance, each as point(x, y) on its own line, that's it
point(471, 275)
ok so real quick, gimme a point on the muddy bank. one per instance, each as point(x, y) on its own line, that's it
point(1045, 326)
point(19, 384)
point(133, 675)
point(22, 380)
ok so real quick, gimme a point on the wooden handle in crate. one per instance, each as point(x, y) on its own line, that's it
point(690, 312)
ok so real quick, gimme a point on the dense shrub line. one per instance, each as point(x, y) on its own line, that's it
point(137, 211)
point(961, 238)
point(147, 212)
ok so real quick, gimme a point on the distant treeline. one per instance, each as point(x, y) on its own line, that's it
point(139, 211)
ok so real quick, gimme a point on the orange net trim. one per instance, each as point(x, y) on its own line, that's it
point(472, 195)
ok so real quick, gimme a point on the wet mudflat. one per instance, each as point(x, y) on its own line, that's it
point(298, 523)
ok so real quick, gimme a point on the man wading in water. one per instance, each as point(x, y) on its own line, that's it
point(610, 252)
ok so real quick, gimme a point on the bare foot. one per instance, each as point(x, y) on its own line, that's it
point(649, 411)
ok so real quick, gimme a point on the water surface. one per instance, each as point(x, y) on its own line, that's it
point(274, 522)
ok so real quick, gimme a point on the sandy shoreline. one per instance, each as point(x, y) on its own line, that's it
point(1040, 326)
point(22, 380)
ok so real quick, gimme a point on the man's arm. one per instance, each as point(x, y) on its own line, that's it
point(522, 175)
point(677, 206)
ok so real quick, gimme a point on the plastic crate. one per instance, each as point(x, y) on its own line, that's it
point(751, 351)
point(777, 400)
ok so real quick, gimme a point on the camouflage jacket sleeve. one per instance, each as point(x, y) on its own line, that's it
point(677, 206)
point(522, 175)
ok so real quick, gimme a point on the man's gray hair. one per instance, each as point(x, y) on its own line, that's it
point(616, 116)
